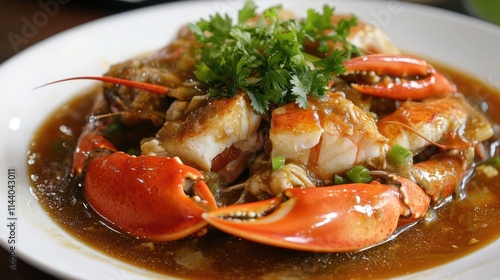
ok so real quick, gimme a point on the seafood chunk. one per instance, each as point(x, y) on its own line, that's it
point(340, 218)
point(214, 127)
point(331, 135)
point(370, 39)
point(168, 67)
point(451, 120)
point(367, 37)
point(440, 176)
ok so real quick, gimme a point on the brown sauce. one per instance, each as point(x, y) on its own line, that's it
point(463, 226)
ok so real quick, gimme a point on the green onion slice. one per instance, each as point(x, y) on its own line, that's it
point(494, 161)
point(278, 162)
point(400, 155)
point(359, 174)
point(339, 180)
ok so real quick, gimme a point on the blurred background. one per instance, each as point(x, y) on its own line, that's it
point(16, 17)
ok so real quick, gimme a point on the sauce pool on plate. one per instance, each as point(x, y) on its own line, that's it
point(462, 226)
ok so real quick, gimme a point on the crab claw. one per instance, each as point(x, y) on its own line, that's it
point(153, 204)
point(339, 218)
point(403, 77)
point(89, 142)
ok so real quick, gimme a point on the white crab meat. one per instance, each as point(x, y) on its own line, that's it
point(449, 120)
point(371, 39)
point(206, 132)
point(331, 135)
point(367, 37)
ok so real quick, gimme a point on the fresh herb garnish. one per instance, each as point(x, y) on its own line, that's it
point(264, 55)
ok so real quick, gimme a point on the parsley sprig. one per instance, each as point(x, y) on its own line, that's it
point(264, 55)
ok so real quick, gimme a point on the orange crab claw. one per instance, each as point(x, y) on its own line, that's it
point(389, 64)
point(153, 204)
point(339, 218)
point(410, 77)
point(88, 142)
point(414, 197)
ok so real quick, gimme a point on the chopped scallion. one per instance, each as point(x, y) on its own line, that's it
point(133, 152)
point(399, 155)
point(494, 161)
point(116, 128)
point(339, 180)
point(359, 174)
point(277, 162)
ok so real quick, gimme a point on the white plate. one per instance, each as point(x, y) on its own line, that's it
point(456, 40)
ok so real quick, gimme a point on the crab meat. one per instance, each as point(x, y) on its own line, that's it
point(450, 120)
point(331, 135)
point(224, 129)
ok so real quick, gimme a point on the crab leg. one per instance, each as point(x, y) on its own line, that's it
point(133, 84)
point(404, 77)
point(441, 175)
point(339, 218)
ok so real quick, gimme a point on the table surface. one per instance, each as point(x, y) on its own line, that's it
point(13, 17)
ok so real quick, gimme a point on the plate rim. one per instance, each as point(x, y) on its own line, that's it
point(450, 16)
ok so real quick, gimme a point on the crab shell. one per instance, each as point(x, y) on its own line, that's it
point(411, 77)
point(154, 204)
point(340, 218)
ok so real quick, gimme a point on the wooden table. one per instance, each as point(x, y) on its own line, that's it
point(23, 23)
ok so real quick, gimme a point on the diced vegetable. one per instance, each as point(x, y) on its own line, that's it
point(494, 161)
point(400, 155)
point(339, 180)
point(359, 174)
point(277, 162)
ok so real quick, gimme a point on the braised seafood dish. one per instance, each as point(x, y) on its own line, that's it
point(313, 137)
